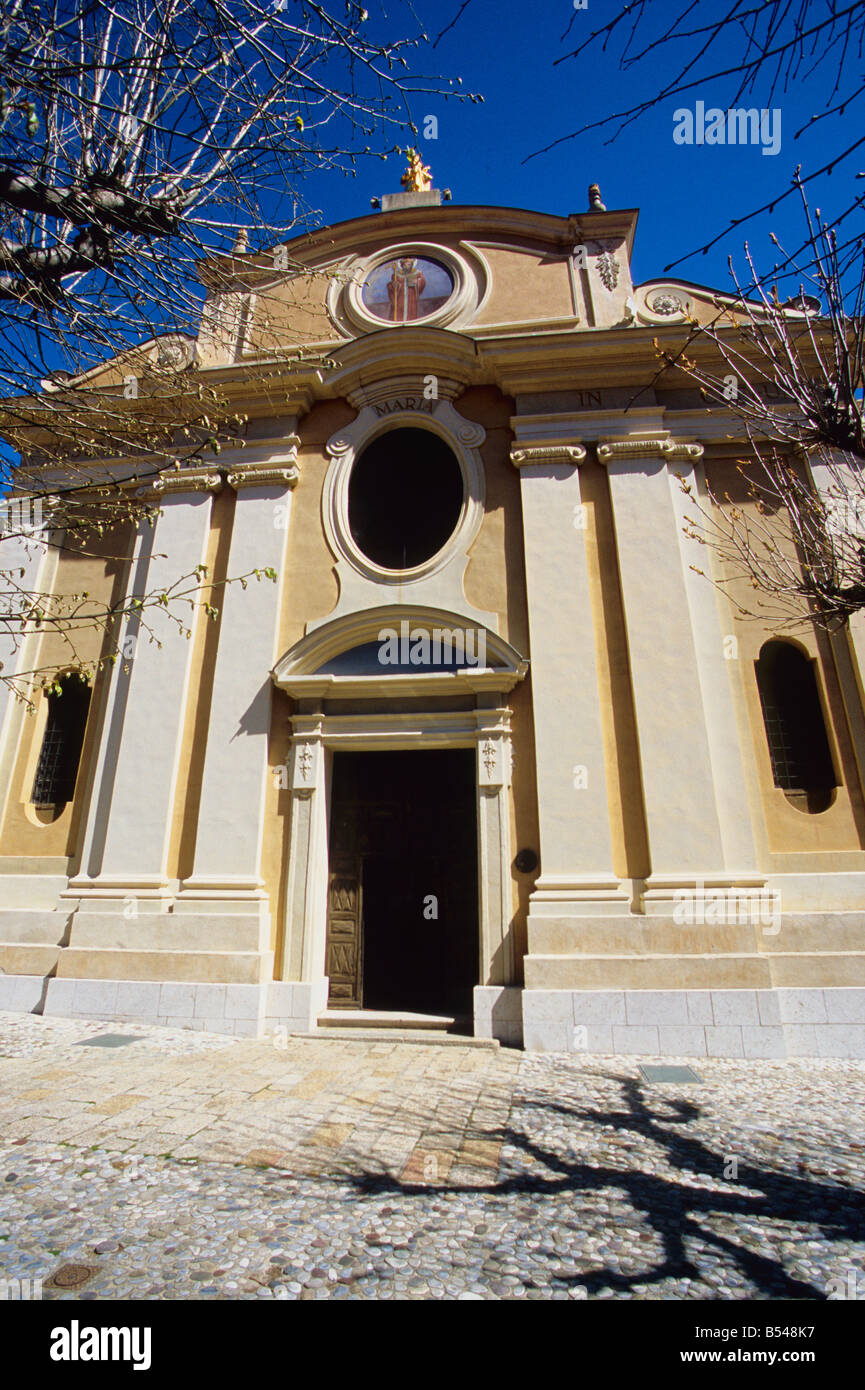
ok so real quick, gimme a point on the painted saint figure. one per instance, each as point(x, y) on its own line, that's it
point(404, 290)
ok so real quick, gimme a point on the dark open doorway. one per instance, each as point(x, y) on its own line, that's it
point(402, 930)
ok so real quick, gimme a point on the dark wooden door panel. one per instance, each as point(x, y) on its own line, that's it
point(344, 935)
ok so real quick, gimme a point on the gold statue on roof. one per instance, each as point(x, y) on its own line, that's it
point(418, 176)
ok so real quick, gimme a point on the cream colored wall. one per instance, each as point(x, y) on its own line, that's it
point(291, 311)
point(274, 860)
point(495, 582)
point(526, 285)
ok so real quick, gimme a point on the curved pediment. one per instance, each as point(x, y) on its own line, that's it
point(394, 651)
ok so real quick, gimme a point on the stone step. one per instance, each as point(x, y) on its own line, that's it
point(801, 936)
point(24, 926)
point(378, 1018)
point(30, 959)
point(202, 967)
point(818, 970)
point(32, 890)
point(429, 1036)
point(814, 969)
point(637, 935)
point(169, 932)
point(648, 972)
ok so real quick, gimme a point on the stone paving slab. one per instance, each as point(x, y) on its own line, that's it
point(187, 1165)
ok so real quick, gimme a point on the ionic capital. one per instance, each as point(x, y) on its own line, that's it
point(252, 475)
point(530, 455)
point(182, 480)
point(667, 449)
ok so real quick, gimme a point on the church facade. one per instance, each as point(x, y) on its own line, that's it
point(488, 748)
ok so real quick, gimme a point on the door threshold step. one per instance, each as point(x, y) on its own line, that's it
point(387, 1018)
point(427, 1037)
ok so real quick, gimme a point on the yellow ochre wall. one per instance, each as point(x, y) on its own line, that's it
point(796, 840)
point(101, 572)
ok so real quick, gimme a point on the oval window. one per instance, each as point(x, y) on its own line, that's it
point(406, 289)
point(795, 730)
point(405, 496)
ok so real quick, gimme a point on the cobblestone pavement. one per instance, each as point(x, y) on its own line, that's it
point(184, 1165)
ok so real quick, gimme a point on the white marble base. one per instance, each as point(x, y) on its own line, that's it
point(498, 1013)
point(244, 1010)
point(19, 994)
point(697, 1023)
point(295, 1005)
point(212, 1008)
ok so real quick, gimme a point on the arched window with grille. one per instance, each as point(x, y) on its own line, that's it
point(795, 729)
point(60, 754)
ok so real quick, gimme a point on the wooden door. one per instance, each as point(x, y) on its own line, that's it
point(403, 825)
point(344, 935)
point(344, 912)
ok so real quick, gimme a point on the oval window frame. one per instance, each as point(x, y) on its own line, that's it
point(464, 300)
point(462, 436)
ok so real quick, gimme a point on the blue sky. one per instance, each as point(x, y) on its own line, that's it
point(508, 51)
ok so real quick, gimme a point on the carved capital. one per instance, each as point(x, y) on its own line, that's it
point(253, 475)
point(527, 455)
point(182, 480)
point(666, 449)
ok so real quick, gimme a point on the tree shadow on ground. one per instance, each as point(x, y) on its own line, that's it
point(676, 1211)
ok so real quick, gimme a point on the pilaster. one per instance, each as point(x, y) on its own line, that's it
point(693, 782)
point(129, 820)
point(575, 835)
point(231, 812)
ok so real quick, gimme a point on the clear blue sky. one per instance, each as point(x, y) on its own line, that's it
point(507, 51)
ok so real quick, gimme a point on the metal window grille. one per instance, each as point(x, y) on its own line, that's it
point(787, 770)
point(57, 769)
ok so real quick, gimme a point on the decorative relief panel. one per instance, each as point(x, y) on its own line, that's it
point(661, 304)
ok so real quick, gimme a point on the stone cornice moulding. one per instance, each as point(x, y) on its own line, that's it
point(525, 455)
point(668, 449)
point(474, 223)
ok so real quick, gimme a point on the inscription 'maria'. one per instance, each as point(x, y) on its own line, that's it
point(404, 403)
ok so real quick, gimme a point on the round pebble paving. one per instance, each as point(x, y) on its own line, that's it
point(586, 1182)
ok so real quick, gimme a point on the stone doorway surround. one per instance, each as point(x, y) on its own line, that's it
point(379, 721)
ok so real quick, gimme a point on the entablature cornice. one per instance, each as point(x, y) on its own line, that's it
point(647, 432)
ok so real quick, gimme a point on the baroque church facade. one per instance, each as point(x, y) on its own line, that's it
point(489, 752)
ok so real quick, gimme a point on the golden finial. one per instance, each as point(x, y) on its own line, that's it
point(418, 176)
